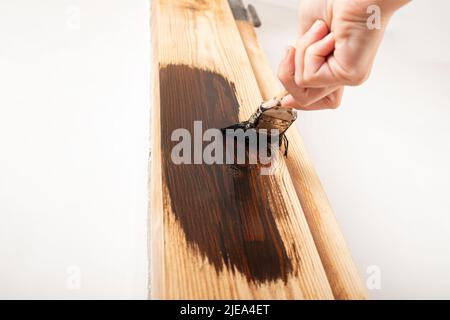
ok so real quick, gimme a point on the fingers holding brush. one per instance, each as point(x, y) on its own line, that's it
point(304, 98)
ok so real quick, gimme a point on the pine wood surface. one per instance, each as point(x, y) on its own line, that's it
point(216, 235)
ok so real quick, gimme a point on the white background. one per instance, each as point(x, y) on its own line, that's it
point(74, 117)
point(74, 114)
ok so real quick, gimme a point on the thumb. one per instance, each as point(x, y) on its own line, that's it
point(289, 101)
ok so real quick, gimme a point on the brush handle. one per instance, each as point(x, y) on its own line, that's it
point(275, 101)
point(281, 95)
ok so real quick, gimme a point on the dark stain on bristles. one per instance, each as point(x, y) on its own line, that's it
point(229, 218)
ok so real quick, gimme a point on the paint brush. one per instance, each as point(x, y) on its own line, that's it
point(270, 115)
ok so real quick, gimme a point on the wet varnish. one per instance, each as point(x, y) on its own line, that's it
point(229, 217)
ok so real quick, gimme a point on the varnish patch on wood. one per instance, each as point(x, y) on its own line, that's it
point(229, 218)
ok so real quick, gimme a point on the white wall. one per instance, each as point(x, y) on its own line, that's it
point(384, 156)
point(74, 114)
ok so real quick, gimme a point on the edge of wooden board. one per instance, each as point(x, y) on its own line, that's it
point(341, 271)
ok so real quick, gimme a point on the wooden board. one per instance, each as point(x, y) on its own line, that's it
point(215, 234)
point(334, 253)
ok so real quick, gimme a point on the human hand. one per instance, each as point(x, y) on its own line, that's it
point(335, 48)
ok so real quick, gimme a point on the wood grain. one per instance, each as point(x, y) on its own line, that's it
point(216, 234)
point(341, 271)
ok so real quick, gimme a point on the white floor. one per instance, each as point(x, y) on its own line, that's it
point(384, 156)
point(74, 110)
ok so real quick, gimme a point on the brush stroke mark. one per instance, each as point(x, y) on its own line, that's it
point(229, 217)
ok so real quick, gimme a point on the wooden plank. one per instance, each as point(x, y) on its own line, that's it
point(334, 253)
point(215, 234)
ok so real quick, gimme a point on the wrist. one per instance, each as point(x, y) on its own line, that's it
point(388, 7)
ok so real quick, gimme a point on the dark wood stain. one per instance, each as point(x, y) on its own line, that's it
point(229, 217)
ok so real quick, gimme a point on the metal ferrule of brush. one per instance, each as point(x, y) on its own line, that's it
point(264, 106)
point(270, 115)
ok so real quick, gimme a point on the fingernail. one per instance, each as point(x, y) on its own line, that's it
point(330, 36)
point(317, 25)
